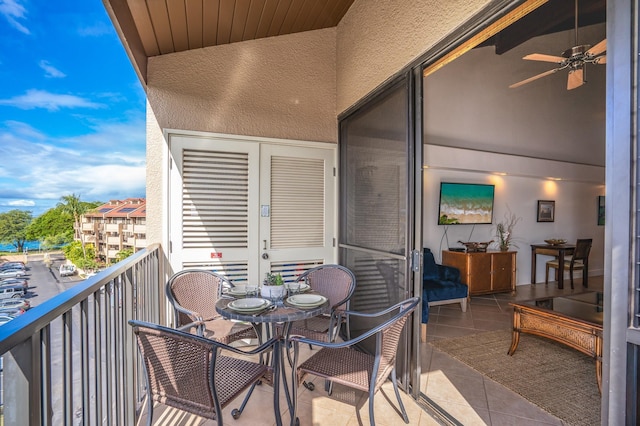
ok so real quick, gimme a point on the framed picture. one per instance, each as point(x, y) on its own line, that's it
point(546, 210)
point(601, 210)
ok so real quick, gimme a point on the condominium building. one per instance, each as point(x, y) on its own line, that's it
point(115, 226)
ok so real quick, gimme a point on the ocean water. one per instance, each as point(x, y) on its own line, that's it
point(29, 245)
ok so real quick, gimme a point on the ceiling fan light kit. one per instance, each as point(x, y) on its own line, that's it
point(574, 59)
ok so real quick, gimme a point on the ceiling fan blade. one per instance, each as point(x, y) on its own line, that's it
point(600, 60)
point(544, 58)
point(598, 48)
point(530, 79)
point(575, 78)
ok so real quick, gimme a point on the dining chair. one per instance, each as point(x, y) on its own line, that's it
point(193, 295)
point(188, 372)
point(578, 261)
point(337, 283)
point(341, 362)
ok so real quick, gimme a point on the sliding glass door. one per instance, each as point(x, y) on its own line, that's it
point(377, 178)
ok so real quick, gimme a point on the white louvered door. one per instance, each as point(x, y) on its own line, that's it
point(297, 199)
point(213, 200)
point(229, 199)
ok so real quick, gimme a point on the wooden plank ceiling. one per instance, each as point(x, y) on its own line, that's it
point(168, 26)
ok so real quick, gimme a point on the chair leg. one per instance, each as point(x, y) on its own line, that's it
point(571, 277)
point(235, 413)
point(371, 419)
point(149, 409)
point(423, 333)
point(463, 305)
point(394, 380)
point(546, 276)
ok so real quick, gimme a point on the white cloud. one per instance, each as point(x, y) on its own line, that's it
point(50, 70)
point(50, 101)
point(98, 29)
point(13, 11)
point(99, 166)
point(22, 203)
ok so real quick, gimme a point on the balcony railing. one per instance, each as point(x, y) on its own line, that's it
point(73, 359)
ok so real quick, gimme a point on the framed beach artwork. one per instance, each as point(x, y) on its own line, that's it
point(601, 210)
point(546, 210)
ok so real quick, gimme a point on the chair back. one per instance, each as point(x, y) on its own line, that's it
point(583, 247)
point(430, 267)
point(389, 334)
point(335, 282)
point(197, 291)
point(178, 368)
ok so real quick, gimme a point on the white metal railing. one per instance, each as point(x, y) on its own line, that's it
point(73, 359)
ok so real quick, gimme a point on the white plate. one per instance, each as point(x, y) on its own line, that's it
point(307, 300)
point(237, 291)
point(247, 305)
point(303, 287)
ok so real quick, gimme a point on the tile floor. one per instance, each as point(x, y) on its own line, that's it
point(466, 396)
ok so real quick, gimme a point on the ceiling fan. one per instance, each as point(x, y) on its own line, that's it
point(573, 59)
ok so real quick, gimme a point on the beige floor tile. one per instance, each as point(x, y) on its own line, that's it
point(462, 389)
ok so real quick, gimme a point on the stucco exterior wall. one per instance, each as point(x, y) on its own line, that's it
point(280, 87)
point(376, 39)
point(156, 180)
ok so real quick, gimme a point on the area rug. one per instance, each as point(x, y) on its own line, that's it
point(556, 378)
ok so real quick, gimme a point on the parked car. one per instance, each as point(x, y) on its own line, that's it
point(12, 265)
point(15, 303)
point(11, 291)
point(67, 270)
point(15, 281)
point(6, 273)
point(14, 312)
point(5, 318)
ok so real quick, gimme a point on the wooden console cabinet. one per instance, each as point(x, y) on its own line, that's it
point(484, 272)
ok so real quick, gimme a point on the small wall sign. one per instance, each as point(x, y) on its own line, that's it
point(216, 255)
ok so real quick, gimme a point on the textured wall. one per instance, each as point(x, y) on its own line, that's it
point(156, 180)
point(281, 87)
point(378, 38)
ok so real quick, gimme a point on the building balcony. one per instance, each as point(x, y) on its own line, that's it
point(116, 241)
point(91, 227)
point(113, 227)
point(140, 243)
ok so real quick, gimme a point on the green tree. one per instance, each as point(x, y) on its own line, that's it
point(53, 223)
point(81, 256)
point(123, 254)
point(13, 227)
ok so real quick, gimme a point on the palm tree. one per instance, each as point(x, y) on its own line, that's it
point(72, 205)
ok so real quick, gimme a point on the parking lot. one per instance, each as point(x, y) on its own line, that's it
point(45, 282)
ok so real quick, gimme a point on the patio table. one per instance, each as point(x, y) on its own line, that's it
point(283, 314)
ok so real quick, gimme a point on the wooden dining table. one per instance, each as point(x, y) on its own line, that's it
point(557, 250)
point(283, 313)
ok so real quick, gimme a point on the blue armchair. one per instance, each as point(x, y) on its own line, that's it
point(440, 285)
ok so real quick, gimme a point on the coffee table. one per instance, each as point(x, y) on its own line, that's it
point(575, 321)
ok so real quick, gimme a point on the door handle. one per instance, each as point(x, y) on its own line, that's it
point(264, 247)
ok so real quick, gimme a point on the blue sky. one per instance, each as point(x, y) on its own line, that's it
point(72, 110)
